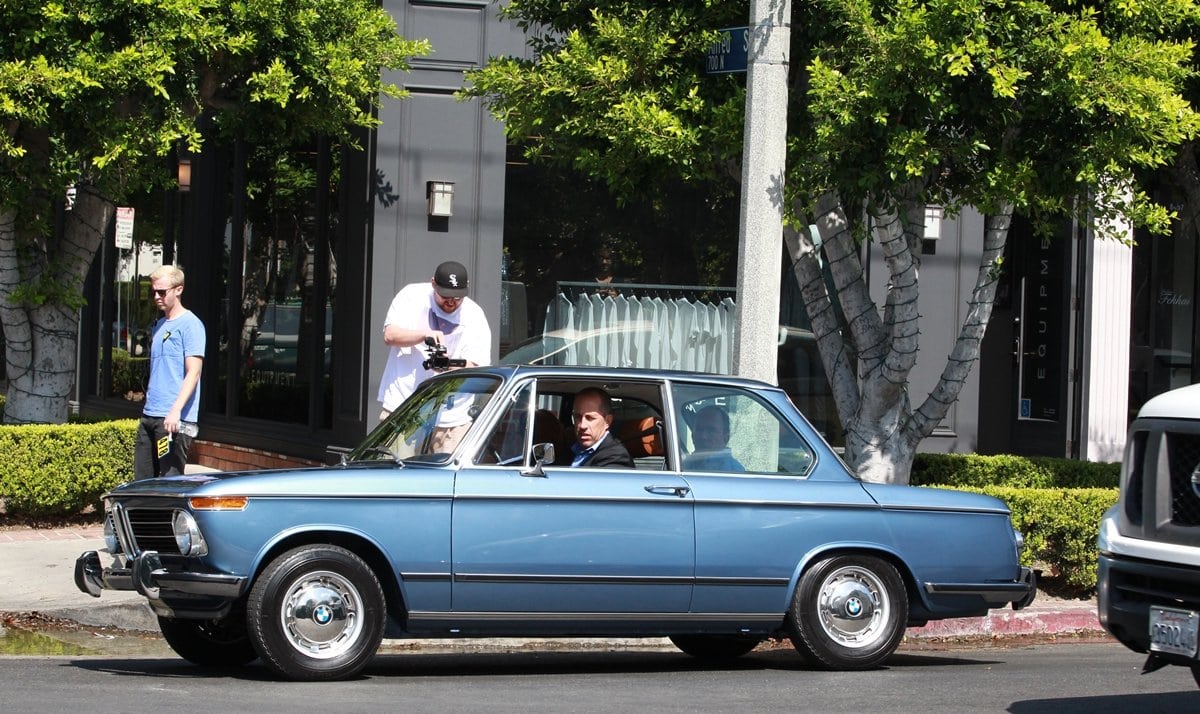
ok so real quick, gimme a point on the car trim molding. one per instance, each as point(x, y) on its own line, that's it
point(574, 579)
point(594, 579)
point(459, 617)
point(944, 509)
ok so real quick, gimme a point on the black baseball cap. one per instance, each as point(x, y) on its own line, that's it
point(450, 279)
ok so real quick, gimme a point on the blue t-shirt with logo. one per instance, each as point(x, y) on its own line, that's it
point(171, 343)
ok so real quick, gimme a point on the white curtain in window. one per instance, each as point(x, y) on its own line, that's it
point(610, 330)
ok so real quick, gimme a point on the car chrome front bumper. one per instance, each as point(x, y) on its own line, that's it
point(147, 575)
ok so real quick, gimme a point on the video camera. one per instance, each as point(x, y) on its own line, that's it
point(438, 361)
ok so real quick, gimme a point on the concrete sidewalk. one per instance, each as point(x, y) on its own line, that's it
point(37, 575)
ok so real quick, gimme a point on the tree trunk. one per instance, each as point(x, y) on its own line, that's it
point(868, 353)
point(41, 335)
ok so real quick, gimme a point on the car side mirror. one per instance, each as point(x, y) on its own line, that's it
point(542, 454)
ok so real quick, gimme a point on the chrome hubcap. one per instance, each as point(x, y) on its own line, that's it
point(853, 607)
point(322, 614)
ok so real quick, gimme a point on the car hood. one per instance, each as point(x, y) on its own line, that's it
point(363, 477)
point(897, 496)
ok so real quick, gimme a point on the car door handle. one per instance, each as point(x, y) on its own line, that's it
point(680, 491)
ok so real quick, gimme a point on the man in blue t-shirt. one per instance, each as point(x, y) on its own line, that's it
point(168, 423)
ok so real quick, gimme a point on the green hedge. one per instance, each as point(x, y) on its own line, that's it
point(59, 470)
point(1060, 526)
point(1056, 504)
point(978, 471)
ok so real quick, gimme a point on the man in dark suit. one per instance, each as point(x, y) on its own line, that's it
point(595, 445)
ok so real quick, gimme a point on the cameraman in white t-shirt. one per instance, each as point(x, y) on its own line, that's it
point(441, 311)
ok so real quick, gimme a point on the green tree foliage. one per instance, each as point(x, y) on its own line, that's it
point(94, 92)
point(1047, 108)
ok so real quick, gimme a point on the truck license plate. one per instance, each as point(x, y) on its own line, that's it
point(1173, 631)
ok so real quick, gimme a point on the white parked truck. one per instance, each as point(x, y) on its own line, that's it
point(1149, 561)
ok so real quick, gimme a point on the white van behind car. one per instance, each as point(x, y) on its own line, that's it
point(1149, 561)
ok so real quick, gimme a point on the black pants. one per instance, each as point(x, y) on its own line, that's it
point(146, 460)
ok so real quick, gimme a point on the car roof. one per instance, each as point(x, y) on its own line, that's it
point(1181, 403)
point(620, 373)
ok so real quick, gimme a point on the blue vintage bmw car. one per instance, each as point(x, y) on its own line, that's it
point(460, 516)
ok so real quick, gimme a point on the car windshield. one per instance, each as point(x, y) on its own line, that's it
point(429, 425)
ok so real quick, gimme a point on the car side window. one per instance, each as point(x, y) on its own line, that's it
point(729, 430)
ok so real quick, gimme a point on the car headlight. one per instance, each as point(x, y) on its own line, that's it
point(1020, 540)
point(187, 535)
point(111, 544)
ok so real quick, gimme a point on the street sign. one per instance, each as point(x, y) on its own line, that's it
point(728, 54)
point(124, 236)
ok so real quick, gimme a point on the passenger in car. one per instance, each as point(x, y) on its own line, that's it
point(710, 434)
point(595, 446)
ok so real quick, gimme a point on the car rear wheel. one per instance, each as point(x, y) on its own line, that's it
point(1196, 673)
point(848, 612)
point(316, 613)
point(209, 643)
point(714, 647)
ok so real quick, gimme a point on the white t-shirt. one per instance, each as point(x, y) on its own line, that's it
point(466, 336)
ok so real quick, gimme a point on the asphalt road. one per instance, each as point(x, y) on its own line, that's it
point(1049, 678)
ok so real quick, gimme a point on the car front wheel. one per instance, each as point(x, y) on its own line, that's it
point(209, 643)
point(316, 613)
point(848, 612)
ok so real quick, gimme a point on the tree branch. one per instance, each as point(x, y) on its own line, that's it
point(966, 347)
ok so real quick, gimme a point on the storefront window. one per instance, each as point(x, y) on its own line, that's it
point(280, 267)
point(1163, 330)
point(132, 311)
point(257, 230)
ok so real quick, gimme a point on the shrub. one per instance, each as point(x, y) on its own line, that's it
point(977, 471)
point(1056, 504)
point(1060, 527)
point(55, 470)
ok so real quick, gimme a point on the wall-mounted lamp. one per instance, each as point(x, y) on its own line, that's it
point(933, 222)
point(184, 177)
point(441, 197)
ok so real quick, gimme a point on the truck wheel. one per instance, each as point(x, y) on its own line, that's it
point(848, 612)
point(316, 613)
point(209, 643)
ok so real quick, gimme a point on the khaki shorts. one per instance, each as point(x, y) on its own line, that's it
point(444, 439)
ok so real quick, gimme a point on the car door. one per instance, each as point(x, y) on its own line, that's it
point(759, 507)
point(562, 540)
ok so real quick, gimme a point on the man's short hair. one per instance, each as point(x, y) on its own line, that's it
point(721, 414)
point(605, 400)
point(170, 272)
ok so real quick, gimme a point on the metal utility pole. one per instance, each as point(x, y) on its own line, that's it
point(756, 329)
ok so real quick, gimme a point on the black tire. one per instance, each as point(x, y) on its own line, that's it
point(1196, 673)
point(848, 612)
point(316, 613)
point(209, 643)
point(714, 647)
